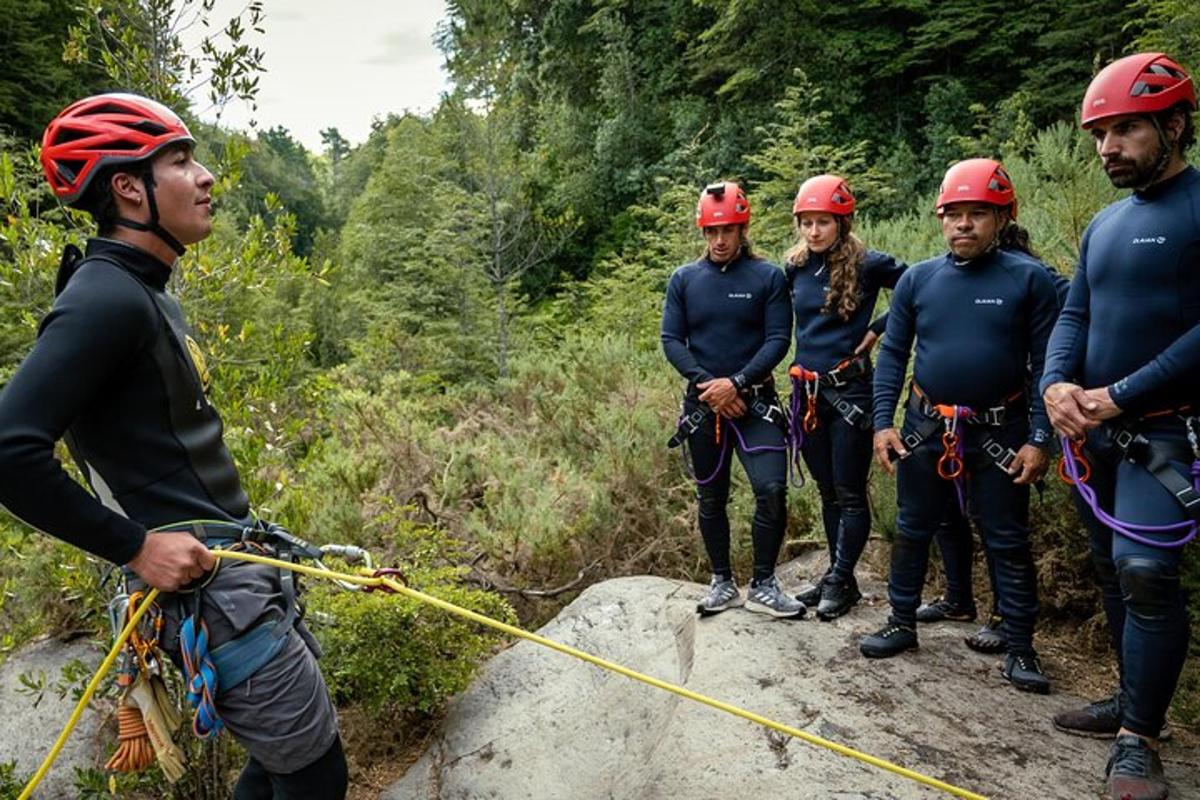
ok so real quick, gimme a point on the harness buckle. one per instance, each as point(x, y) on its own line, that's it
point(1123, 439)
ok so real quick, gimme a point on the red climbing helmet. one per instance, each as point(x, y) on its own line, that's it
point(828, 193)
point(1142, 83)
point(979, 180)
point(722, 203)
point(102, 130)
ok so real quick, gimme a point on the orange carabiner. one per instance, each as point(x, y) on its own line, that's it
point(718, 427)
point(1083, 466)
point(810, 415)
point(950, 464)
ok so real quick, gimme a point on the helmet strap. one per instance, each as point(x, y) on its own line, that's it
point(153, 225)
point(1164, 158)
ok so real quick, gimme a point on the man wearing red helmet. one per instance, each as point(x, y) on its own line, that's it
point(138, 423)
point(835, 282)
point(1122, 382)
point(981, 316)
point(726, 324)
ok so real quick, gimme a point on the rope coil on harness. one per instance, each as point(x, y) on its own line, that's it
point(1077, 472)
point(384, 581)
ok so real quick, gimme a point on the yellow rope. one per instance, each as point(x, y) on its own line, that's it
point(511, 630)
point(105, 666)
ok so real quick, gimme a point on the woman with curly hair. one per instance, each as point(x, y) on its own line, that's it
point(835, 281)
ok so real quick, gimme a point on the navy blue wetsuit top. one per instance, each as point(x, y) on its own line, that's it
point(1132, 318)
point(727, 322)
point(981, 329)
point(825, 339)
point(114, 373)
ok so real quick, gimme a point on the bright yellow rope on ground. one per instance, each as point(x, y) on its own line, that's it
point(399, 588)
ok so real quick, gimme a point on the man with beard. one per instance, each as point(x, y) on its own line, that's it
point(1122, 380)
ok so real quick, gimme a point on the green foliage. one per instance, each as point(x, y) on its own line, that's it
point(397, 656)
point(11, 782)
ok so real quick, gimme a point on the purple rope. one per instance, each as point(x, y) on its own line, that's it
point(795, 434)
point(1130, 529)
point(960, 483)
point(745, 449)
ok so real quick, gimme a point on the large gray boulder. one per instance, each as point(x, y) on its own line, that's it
point(539, 725)
point(28, 731)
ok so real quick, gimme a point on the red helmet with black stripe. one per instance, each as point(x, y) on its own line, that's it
point(978, 180)
point(829, 193)
point(1143, 83)
point(102, 130)
point(722, 203)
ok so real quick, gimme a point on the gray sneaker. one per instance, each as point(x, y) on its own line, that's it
point(768, 598)
point(722, 595)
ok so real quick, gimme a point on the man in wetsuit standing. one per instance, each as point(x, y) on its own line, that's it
point(116, 374)
point(973, 431)
point(726, 324)
point(1122, 381)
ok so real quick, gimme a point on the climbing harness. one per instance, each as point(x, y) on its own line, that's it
point(949, 420)
point(760, 401)
point(1155, 456)
point(809, 386)
point(384, 580)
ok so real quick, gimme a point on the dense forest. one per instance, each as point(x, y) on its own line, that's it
point(442, 342)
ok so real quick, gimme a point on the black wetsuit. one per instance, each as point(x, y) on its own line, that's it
point(733, 321)
point(954, 538)
point(1132, 324)
point(114, 372)
point(981, 329)
point(838, 451)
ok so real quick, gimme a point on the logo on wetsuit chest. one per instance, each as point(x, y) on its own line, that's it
point(1149, 240)
point(740, 296)
point(989, 301)
point(198, 362)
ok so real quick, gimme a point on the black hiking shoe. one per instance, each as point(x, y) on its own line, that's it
point(890, 640)
point(990, 638)
point(942, 610)
point(1134, 771)
point(812, 595)
point(1024, 671)
point(837, 597)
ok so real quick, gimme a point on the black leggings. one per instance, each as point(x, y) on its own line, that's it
point(761, 447)
point(324, 779)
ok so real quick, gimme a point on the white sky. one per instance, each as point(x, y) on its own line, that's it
point(338, 64)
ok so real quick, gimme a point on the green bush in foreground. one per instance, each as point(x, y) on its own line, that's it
point(396, 656)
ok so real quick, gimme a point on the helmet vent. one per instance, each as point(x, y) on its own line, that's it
point(148, 126)
point(68, 168)
point(106, 108)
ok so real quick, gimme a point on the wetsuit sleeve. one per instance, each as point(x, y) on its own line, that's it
point(879, 324)
point(1068, 341)
point(96, 323)
point(1180, 360)
point(675, 332)
point(885, 271)
point(777, 333)
point(1043, 312)
point(893, 353)
point(1061, 285)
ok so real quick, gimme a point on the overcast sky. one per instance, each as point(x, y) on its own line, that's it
point(340, 64)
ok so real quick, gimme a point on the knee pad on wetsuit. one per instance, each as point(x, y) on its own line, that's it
point(772, 500)
point(711, 504)
point(1149, 588)
point(852, 499)
point(829, 494)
